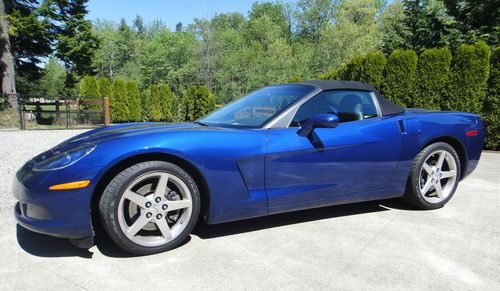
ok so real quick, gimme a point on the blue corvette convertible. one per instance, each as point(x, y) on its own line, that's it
point(281, 148)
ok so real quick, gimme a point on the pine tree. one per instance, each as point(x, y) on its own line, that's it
point(134, 101)
point(400, 75)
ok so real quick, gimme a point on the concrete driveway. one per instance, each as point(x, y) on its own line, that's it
point(375, 245)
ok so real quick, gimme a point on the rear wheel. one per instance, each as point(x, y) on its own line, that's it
point(150, 207)
point(434, 176)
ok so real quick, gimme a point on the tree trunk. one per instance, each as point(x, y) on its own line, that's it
point(8, 77)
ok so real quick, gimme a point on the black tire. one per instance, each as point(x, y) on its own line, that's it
point(412, 194)
point(108, 205)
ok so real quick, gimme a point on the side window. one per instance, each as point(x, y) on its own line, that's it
point(348, 105)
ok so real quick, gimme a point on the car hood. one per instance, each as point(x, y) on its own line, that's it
point(107, 133)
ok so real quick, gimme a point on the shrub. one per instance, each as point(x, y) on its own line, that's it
point(104, 87)
point(368, 68)
point(169, 104)
point(118, 102)
point(492, 104)
point(400, 76)
point(89, 88)
point(199, 102)
point(433, 72)
point(154, 104)
point(469, 78)
point(134, 101)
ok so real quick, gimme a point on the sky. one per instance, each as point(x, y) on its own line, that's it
point(169, 11)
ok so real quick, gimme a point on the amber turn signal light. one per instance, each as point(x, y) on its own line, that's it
point(70, 185)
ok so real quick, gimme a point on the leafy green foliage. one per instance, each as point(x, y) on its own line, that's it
point(134, 101)
point(469, 77)
point(169, 104)
point(153, 104)
point(491, 111)
point(89, 88)
point(118, 103)
point(53, 79)
point(400, 77)
point(433, 72)
point(199, 102)
point(368, 68)
point(104, 87)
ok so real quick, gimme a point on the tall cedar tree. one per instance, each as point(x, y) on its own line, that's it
point(491, 110)
point(469, 78)
point(89, 88)
point(400, 75)
point(134, 101)
point(368, 68)
point(104, 87)
point(119, 102)
point(433, 72)
point(154, 104)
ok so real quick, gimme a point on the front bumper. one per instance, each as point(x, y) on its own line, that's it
point(63, 214)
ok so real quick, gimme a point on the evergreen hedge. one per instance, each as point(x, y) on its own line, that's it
point(89, 89)
point(169, 104)
point(199, 102)
point(134, 101)
point(154, 104)
point(104, 87)
point(433, 72)
point(118, 102)
point(400, 77)
point(368, 68)
point(468, 78)
point(491, 109)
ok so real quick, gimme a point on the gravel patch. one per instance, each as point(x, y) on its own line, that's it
point(17, 147)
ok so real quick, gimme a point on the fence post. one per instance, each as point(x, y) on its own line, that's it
point(66, 101)
point(107, 119)
point(20, 111)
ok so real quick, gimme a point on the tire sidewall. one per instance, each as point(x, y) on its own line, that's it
point(114, 191)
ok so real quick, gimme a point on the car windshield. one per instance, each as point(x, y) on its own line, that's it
point(257, 108)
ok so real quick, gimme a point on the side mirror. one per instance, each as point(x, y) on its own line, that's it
point(318, 121)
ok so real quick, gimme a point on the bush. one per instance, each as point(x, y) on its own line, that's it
point(492, 104)
point(169, 104)
point(134, 101)
point(433, 72)
point(468, 78)
point(154, 104)
point(118, 102)
point(89, 89)
point(400, 76)
point(104, 87)
point(199, 103)
point(368, 68)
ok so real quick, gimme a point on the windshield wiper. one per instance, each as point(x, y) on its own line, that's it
point(200, 123)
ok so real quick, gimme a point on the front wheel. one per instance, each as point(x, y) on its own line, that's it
point(434, 176)
point(150, 207)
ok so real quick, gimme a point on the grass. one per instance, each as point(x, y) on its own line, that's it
point(9, 118)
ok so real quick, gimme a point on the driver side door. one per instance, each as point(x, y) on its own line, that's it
point(351, 162)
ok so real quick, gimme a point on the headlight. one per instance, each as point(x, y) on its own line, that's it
point(63, 159)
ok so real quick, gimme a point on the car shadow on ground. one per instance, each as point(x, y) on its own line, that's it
point(47, 246)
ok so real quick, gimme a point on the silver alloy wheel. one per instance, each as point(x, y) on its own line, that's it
point(438, 176)
point(155, 209)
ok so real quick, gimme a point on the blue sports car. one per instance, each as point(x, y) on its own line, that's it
point(281, 148)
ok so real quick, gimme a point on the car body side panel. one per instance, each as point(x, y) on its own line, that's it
point(356, 157)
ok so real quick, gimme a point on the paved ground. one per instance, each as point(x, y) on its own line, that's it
point(376, 245)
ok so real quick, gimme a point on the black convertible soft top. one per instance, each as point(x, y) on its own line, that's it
point(386, 106)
